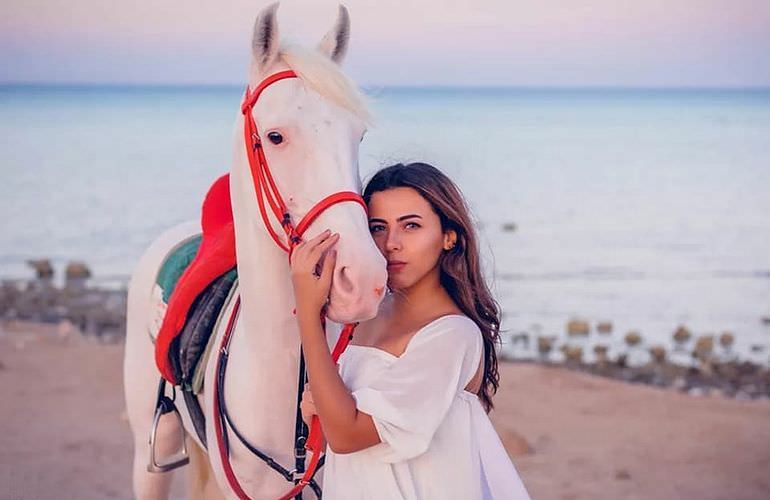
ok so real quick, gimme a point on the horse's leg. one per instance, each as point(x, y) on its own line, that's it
point(141, 379)
point(155, 485)
point(140, 375)
point(202, 484)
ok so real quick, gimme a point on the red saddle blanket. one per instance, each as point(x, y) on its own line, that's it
point(215, 256)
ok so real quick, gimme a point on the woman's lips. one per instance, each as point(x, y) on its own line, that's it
point(395, 266)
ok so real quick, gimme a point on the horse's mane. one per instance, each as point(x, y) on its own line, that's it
point(324, 76)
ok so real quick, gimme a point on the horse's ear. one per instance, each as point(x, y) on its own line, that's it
point(264, 44)
point(335, 43)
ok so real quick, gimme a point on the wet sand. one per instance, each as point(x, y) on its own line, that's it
point(63, 432)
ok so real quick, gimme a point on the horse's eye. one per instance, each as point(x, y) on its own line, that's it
point(275, 137)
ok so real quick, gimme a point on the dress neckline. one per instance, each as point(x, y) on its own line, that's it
point(424, 327)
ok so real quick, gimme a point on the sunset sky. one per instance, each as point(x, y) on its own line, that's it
point(713, 43)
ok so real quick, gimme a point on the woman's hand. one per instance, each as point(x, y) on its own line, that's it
point(311, 288)
point(307, 406)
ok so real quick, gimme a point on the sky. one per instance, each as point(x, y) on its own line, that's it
point(564, 43)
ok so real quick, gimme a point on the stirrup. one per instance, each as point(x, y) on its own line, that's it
point(164, 406)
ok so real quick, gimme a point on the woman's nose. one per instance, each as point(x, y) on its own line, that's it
point(393, 242)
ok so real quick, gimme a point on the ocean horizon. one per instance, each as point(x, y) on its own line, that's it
point(646, 207)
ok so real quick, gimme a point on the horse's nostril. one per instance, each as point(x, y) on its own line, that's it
point(344, 280)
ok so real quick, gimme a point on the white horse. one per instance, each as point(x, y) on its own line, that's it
point(321, 119)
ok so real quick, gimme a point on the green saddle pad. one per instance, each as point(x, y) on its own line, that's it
point(175, 264)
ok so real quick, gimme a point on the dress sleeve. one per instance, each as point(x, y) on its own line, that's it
point(409, 400)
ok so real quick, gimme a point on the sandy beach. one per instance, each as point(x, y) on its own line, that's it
point(63, 432)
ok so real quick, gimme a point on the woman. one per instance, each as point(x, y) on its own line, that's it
point(404, 415)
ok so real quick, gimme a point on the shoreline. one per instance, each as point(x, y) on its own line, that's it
point(571, 435)
point(698, 365)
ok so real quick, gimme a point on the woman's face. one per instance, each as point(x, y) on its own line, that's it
point(408, 233)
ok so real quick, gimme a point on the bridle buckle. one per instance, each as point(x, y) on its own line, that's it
point(296, 476)
point(286, 219)
point(256, 142)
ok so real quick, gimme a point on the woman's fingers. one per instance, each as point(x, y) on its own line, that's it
point(311, 263)
point(307, 413)
point(307, 254)
point(317, 239)
point(307, 395)
point(315, 252)
point(307, 406)
point(304, 246)
point(328, 267)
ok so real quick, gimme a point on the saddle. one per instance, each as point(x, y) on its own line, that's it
point(195, 280)
point(194, 284)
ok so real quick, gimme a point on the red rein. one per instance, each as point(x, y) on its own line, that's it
point(265, 188)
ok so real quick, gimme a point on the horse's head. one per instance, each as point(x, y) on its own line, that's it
point(310, 129)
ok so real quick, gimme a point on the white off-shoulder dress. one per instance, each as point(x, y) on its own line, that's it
point(437, 442)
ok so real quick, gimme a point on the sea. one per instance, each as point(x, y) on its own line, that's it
point(646, 208)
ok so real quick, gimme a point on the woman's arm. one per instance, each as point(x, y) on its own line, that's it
point(345, 428)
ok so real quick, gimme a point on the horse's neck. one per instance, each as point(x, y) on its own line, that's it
point(264, 286)
point(267, 330)
point(263, 271)
point(261, 379)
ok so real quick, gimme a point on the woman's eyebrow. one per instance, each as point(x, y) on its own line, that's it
point(403, 217)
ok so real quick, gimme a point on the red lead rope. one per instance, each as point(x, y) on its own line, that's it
point(265, 188)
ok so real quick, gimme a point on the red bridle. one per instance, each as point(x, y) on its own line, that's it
point(263, 180)
point(265, 188)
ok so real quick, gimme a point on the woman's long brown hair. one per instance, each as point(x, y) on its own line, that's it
point(460, 267)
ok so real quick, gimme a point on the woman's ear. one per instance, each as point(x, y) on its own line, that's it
point(450, 239)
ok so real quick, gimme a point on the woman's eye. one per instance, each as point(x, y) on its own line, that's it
point(275, 137)
point(408, 224)
point(375, 229)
